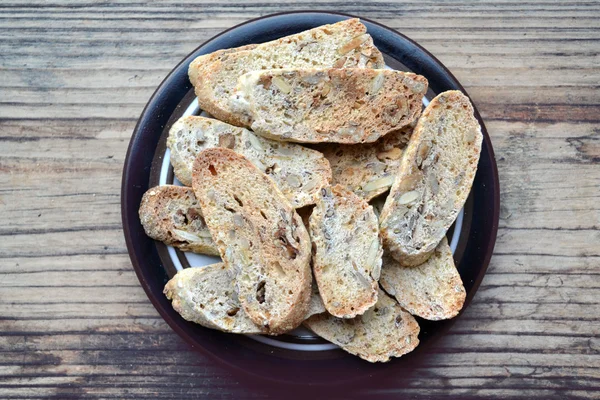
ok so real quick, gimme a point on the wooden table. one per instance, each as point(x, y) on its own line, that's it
point(74, 77)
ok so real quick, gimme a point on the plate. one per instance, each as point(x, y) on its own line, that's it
point(284, 358)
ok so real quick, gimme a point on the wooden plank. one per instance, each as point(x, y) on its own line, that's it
point(74, 321)
point(74, 263)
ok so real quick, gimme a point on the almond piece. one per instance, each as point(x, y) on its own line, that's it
point(340, 63)
point(377, 83)
point(282, 85)
point(386, 181)
point(294, 181)
point(254, 142)
point(409, 197)
point(353, 44)
point(190, 237)
point(410, 182)
point(372, 257)
point(227, 140)
point(392, 154)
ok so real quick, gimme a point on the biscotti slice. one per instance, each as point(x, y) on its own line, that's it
point(346, 252)
point(172, 215)
point(299, 172)
point(352, 105)
point(367, 169)
point(432, 290)
point(259, 234)
point(434, 179)
point(207, 296)
point(344, 44)
point(384, 331)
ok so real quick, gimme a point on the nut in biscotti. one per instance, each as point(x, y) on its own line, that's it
point(259, 234)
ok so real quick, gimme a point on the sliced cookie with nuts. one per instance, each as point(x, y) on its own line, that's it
point(384, 331)
point(330, 105)
point(434, 179)
point(346, 252)
point(172, 215)
point(341, 45)
point(299, 172)
point(208, 296)
point(367, 169)
point(259, 234)
point(432, 290)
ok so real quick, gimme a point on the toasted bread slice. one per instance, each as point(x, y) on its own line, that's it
point(432, 290)
point(208, 296)
point(299, 172)
point(172, 215)
point(353, 105)
point(367, 169)
point(434, 179)
point(346, 252)
point(259, 234)
point(382, 332)
point(344, 44)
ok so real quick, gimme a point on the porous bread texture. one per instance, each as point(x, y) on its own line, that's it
point(341, 45)
point(432, 290)
point(207, 296)
point(346, 252)
point(259, 234)
point(299, 172)
point(201, 64)
point(367, 169)
point(384, 331)
point(351, 105)
point(434, 179)
point(172, 215)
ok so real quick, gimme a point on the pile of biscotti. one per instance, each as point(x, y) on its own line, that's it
point(306, 131)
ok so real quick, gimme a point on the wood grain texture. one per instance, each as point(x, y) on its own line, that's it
point(74, 77)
